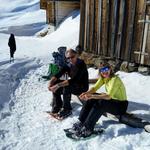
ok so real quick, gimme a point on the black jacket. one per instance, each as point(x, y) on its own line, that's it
point(78, 73)
point(12, 43)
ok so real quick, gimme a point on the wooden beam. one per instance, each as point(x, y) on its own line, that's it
point(82, 23)
point(99, 26)
point(105, 25)
point(91, 24)
point(144, 40)
point(43, 4)
point(95, 41)
point(139, 27)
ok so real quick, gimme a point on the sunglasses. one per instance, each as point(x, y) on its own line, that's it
point(71, 57)
point(104, 69)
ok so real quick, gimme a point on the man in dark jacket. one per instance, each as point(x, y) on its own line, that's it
point(12, 45)
point(76, 84)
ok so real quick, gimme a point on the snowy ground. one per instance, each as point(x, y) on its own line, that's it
point(24, 96)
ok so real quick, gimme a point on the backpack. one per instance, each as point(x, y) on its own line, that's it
point(58, 62)
point(59, 57)
point(53, 69)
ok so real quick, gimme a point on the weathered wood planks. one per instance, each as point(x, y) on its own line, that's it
point(111, 28)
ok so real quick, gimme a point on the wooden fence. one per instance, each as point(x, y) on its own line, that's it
point(116, 29)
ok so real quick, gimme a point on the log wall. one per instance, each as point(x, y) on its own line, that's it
point(113, 29)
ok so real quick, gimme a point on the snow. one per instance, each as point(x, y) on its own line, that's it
point(24, 96)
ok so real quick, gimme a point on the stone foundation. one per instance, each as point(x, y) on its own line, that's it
point(94, 60)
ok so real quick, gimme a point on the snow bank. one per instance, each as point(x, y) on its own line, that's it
point(21, 17)
point(11, 75)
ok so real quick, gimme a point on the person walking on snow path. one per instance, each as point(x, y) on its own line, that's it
point(114, 101)
point(77, 84)
point(12, 45)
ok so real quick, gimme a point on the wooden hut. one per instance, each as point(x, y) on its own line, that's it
point(116, 29)
point(57, 10)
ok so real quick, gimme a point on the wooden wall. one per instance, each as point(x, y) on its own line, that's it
point(43, 4)
point(147, 57)
point(113, 29)
point(50, 13)
point(64, 8)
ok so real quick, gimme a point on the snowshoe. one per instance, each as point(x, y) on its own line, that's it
point(72, 134)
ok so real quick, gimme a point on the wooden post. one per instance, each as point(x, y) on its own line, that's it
point(131, 30)
point(105, 25)
point(99, 25)
point(82, 23)
point(91, 24)
point(43, 4)
point(87, 35)
point(142, 53)
point(95, 47)
point(139, 28)
point(145, 39)
point(114, 27)
point(110, 27)
point(121, 26)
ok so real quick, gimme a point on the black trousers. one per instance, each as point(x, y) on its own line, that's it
point(66, 91)
point(93, 109)
point(12, 53)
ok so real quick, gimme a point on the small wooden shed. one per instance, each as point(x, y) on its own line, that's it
point(57, 10)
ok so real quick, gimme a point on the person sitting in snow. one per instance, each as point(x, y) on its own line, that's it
point(114, 101)
point(77, 84)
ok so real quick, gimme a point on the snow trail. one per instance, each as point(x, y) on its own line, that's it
point(28, 127)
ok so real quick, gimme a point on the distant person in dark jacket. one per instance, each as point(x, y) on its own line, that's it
point(75, 84)
point(12, 45)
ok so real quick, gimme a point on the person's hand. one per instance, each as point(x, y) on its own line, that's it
point(54, 88)
point(51, 83)
point(82, 95)
point(87, 96)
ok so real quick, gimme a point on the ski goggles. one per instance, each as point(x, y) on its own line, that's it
point(104, 69)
